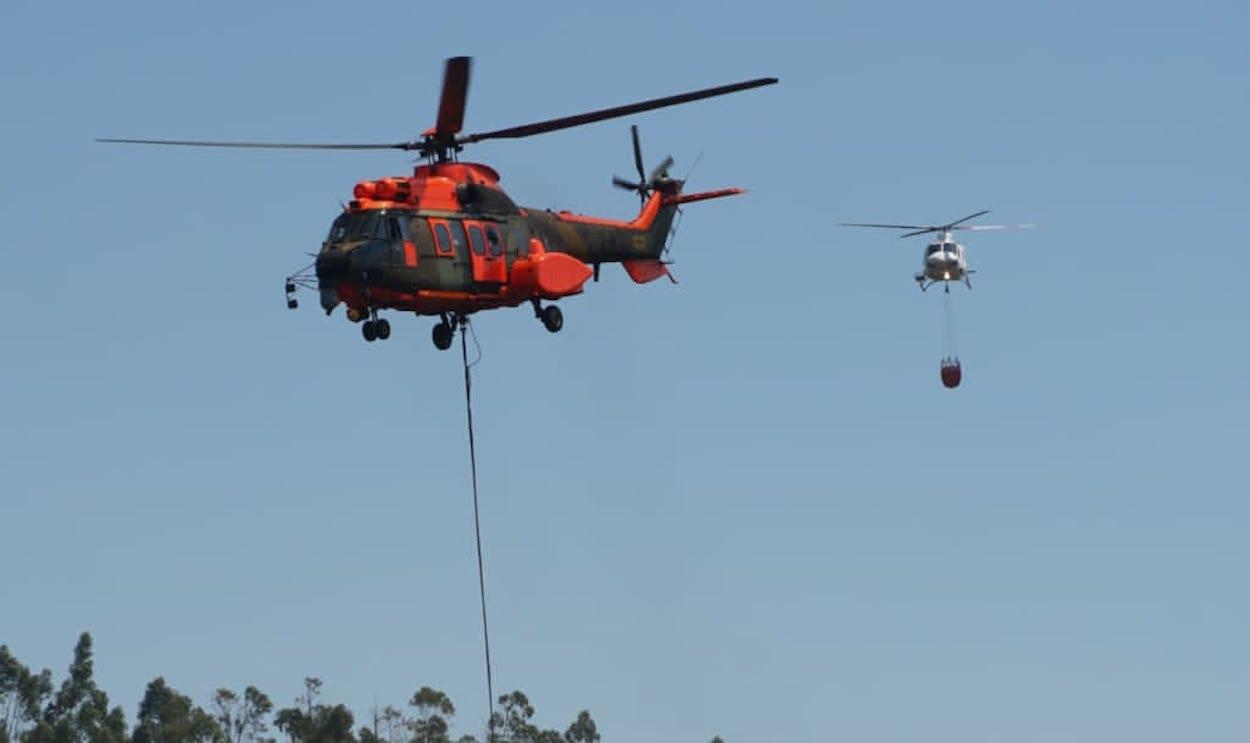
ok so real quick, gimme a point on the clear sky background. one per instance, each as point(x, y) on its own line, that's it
point(740, 505)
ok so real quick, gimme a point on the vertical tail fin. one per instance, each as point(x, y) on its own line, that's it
point(660, 209)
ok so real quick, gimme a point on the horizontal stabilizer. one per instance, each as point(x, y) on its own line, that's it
point(645, 271)
point(687, 198)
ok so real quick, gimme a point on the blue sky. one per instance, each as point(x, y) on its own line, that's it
point(741, 505)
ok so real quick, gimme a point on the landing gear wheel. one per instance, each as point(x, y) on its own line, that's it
point(369, 331)
point(382, 328)
point(442, 336)
point(553, 318)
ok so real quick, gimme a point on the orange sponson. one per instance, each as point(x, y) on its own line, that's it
point(548, 275)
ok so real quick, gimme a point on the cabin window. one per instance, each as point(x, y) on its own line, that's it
point(492, 239)
point(442, 240)
point(458, 238)
point(475, 239)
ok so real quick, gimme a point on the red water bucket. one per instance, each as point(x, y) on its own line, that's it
point(952, 373)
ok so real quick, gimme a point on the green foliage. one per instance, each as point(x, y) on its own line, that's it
point(78, 712)
point(433, 709)
point(512, 723)
point(242, 718)
point(165, 716)
point(21, 695)
point(583, 729)
point(311, 722)
point(389, 726)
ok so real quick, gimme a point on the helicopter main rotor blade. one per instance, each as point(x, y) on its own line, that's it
point(642, 173)
point(888, 226)
point(965, 219)
point(996, 227)
point(566, 122)
point(924, 231)
point(266, 145)
point(452, 101)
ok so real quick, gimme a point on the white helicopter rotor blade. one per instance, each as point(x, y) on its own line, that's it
point(996, 227)
point(888, 226)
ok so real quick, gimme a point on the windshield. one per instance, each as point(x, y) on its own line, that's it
point(356, 226)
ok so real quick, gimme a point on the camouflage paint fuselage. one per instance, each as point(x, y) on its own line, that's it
point(449, 240)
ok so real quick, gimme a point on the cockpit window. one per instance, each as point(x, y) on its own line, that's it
point(356, 226)
point(936, 247)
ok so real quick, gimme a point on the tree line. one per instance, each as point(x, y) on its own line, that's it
point(36, 711)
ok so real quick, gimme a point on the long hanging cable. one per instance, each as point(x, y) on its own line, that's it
point(477, 525)
point(950, 343)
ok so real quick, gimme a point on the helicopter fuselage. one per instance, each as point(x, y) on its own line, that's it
point(448, 240)
point(944, 261)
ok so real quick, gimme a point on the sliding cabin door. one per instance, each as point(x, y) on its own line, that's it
point(487, 249)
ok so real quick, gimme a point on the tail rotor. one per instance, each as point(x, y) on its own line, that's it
point(645, 185)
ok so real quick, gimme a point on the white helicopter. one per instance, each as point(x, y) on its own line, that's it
point(944, 259)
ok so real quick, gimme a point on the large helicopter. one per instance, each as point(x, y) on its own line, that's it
point(944, 259)
point(447, 241)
